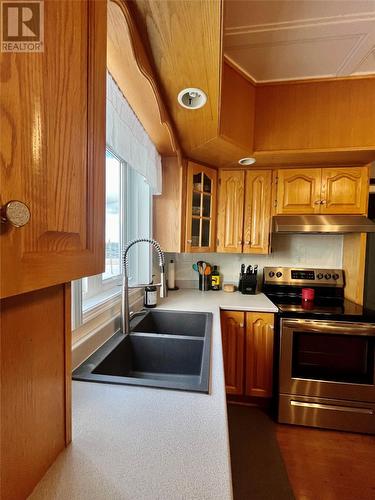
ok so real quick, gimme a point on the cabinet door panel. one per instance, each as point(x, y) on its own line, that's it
point(257, 215)
point(200, 208)
point(233, 339)
point(259, 354)
point(52, 116)
point(345, 190)
point(298, 191)
point(230, 211)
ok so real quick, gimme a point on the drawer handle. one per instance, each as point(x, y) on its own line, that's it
point(319, 406)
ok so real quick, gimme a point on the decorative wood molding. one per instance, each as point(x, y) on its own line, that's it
point(145, 67)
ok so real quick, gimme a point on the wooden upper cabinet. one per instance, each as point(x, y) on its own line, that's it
point(323, 190)
point(57, 168)
point(298, 191)
point(233, 340)
point(200, 208)
point(244, 211)
point(257, 213)
point(230, 211)
point(345, 190)
point(259, 354)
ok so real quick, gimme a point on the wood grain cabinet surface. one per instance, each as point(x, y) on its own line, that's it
point(233, 340)
point(244, 211)
point(200, 208)
point(259, 354)
point(345, 190)
point(52, 114)
point(248, 340)
point(53, 150)
point(322, 190)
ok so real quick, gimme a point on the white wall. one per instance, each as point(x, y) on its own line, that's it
point(301, 250)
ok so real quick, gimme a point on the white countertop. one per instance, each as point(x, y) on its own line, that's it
point(138, 443)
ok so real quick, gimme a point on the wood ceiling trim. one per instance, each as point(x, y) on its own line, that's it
point(185, 40)
point(138, 100)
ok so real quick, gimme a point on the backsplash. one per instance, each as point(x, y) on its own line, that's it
point(304, 250)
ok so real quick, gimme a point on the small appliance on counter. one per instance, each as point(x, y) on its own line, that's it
point(248, 280)
point(327, 350)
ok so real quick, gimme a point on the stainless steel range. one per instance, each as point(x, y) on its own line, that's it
point(327, 351)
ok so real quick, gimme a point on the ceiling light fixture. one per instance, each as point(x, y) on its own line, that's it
point(192, 98)
point(247, 161)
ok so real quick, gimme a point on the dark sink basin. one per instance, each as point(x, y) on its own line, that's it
point(173, 322)
point(166, 349)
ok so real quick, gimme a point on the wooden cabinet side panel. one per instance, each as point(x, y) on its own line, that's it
point(259, 354)
point(233, 341)
point(168, 212)
point(345, 190)
point(257, 213)
point(298, 191)
point(237, 107)
point(354, 265)
point(35, 386)
point(230, 211)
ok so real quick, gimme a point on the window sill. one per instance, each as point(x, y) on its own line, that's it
point(100, 323)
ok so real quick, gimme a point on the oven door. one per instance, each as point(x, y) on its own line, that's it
point(327, 359)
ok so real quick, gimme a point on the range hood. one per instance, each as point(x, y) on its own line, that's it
point(322, 224)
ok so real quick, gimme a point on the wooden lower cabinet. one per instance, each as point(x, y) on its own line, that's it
point(259, 354)
point(248, 340)
point(233, 339)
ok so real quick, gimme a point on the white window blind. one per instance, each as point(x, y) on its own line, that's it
point(126, 136)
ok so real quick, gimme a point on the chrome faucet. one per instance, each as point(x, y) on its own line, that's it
point(125, 287)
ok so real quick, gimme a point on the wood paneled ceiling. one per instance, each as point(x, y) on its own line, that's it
point(184, 38)
point(276, 40)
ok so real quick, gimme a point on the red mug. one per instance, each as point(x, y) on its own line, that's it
point(308, 294)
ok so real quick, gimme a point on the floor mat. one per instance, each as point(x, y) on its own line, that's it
point(258, 469)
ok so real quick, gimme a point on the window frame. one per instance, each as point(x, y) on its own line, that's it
point(108, 290)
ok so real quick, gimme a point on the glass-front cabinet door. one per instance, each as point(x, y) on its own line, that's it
point(201, 208)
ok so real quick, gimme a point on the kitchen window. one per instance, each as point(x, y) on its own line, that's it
point(127, 216)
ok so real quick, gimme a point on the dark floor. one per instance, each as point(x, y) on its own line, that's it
point(328, 465)
point(258, 471)
point(273, 461)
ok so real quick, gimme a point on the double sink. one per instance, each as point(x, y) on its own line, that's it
point(165, 349)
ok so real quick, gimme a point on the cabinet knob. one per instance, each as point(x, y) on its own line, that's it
point(15, 213)
point(317, 202)
point(190, 241)
point(323, 202)
point(241, 325)
point(240, 242)
point(247, 242)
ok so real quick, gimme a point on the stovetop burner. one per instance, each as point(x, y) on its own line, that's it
point(283, 286)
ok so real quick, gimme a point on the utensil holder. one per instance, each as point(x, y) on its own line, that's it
point(205, 282)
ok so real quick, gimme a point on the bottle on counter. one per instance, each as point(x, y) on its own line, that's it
point(151, 295)
point(215, 279)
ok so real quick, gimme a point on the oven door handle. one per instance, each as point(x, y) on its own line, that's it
point(333, 327)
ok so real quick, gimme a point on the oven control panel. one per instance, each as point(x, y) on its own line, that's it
point(301, 277)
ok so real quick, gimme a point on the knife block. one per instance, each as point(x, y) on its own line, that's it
point(248, 284)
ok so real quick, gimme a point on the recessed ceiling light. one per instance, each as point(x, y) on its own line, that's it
point(192, 98)
point(247, 161)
